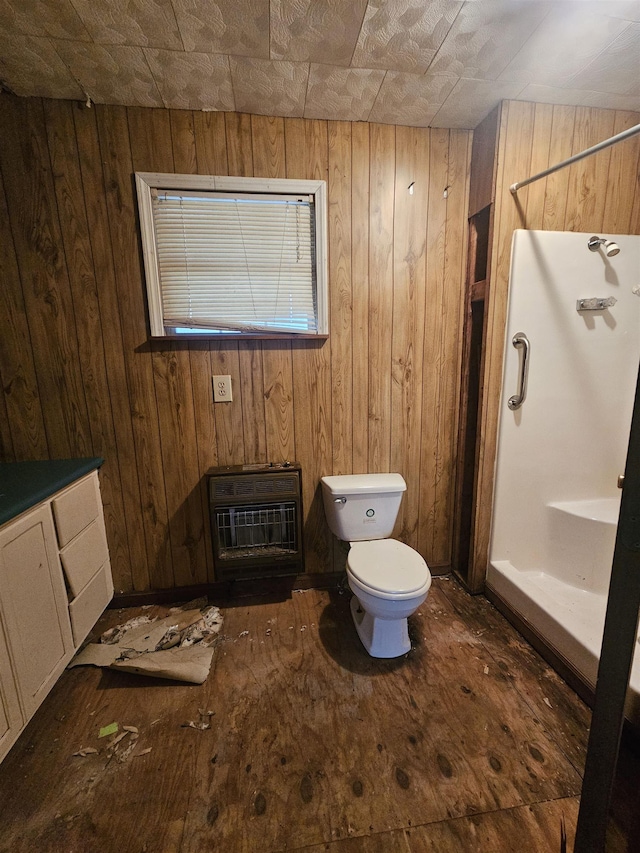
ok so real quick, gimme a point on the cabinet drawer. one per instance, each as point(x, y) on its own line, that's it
point(75, 508)
point(82, 557)
point(86, 609)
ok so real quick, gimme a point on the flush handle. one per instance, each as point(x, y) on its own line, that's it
point(340, 500)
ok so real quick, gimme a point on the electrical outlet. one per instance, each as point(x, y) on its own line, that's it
point(222, 389)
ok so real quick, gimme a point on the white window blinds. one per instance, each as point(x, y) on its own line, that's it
point(236, 261)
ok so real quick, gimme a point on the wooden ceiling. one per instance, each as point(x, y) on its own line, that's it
point(427, 63)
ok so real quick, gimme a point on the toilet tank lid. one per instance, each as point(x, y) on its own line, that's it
point(363, 484)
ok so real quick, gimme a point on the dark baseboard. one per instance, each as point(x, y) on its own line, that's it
point(229, 592)
point(274, 588)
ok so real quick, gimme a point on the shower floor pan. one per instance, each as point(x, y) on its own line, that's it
point(570, 620)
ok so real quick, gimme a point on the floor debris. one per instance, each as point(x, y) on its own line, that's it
point(120, 746)
point(203, 723)
point(117, 739)
point(86, 750)
point(178, 647)
point(128, 737)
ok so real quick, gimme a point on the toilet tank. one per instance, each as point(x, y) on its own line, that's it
point(359, 507)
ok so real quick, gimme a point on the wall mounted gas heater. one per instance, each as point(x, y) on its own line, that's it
point(256, 520)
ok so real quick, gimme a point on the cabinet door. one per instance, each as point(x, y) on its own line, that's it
point(34, 605)
point(10, 717)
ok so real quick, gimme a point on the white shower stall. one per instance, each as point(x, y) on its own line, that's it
point(573, 347)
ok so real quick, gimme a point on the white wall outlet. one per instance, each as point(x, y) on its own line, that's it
point(222, 389)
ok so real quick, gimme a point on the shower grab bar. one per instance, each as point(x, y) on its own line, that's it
point(521, 340)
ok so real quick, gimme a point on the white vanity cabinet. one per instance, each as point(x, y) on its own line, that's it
point(55, 581)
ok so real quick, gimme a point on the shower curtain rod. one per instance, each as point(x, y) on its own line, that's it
point(586, 153)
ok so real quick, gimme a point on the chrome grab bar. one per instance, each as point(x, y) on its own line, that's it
point(521, 340)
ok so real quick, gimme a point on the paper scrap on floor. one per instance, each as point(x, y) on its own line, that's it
point(178, 647)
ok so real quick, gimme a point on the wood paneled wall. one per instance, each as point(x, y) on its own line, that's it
point(600, 194)
point(79, 376)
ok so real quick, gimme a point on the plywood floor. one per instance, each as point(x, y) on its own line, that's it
point(470, 742)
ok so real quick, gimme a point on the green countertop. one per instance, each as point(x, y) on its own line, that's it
point(25, 484)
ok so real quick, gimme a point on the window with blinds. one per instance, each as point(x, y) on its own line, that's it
point(228, 256)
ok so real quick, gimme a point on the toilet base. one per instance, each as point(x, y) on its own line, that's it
point(382, 638)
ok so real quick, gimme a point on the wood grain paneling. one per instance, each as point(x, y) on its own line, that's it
point(563, 121)
point(79, 375)
point(117, 164)
point(22, 412)
point(451, 318)
point(28, 181)
point(482, 180)
point(269, 161)
point(6, 441)
point(542, 129)
point(588, 178)
point(409, 300)
point(307, 153)
point(76, 242)
point(600, 194)
point(618, 209)
point(341, 296)
point(382, 144)
point(430, 465)
point(360, 293)
point(86, 134)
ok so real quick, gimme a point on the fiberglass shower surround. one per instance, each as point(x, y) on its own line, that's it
point(576, 302)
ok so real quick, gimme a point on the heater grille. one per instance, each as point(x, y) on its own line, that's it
point(255, 520)
point(268, 531)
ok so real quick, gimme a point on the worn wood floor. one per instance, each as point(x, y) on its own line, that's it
point(469, 743)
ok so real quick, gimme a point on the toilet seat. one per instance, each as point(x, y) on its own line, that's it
point(388, 568)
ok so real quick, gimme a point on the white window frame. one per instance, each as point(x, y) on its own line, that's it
point(148, 181)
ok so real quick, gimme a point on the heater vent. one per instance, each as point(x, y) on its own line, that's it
point(253, 485)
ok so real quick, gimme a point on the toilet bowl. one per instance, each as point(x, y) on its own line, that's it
point(389, 580)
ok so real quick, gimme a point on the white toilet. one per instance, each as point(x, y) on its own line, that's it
point(388, 578)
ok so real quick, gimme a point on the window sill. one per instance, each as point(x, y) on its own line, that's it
point(241, 336)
